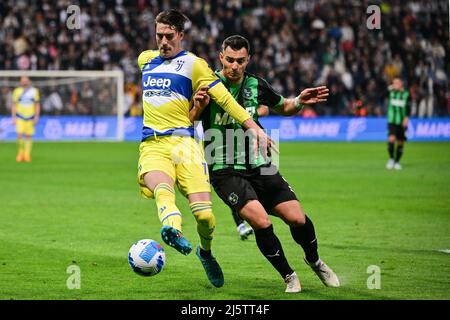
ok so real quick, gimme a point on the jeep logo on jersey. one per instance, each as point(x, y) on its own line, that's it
point(160, 83)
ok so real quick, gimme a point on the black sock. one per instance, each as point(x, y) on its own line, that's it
point(205, 253)
point(237, 218)
point(305, 236)
point(270, 247)
point(391, 149)
point(399, 153)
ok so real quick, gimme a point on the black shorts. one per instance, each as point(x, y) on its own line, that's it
point(236, 187)
point(398, 131)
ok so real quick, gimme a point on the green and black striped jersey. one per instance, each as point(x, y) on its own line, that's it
point(252, 92)
point(399, 106)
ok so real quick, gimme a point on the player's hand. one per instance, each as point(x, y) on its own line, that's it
point(35, 120)
point(201, 98)
point(261, 143)
point(405, 123)
point(265, 145)
point(314, 95)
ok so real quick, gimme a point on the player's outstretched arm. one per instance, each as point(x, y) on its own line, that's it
point(307, 97)
point(202, 76)
point(224, 99)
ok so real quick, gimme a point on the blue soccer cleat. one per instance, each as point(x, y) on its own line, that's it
point(175, 239)
point(212, 269)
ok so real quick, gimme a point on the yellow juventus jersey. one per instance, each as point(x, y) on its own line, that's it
point(25, 99)
point(168, 86)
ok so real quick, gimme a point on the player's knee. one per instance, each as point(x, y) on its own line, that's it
point(259, 222)
point(296, 219)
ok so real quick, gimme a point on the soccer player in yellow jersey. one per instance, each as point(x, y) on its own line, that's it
point(25, 113)
point(169, 154)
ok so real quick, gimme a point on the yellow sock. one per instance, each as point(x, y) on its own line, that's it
point(20, 146)
point(169, 214)
point(206, 222)
point(27, 146)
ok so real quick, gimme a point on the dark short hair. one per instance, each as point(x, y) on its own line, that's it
point(173, 18)
point(236, 42)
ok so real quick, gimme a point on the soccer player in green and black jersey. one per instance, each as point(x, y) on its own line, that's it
point(244, 183)
point(243, 229)
point(399, 106)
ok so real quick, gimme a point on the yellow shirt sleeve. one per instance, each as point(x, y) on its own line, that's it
point(223, 98)
point(203, 76)
point(145, 56)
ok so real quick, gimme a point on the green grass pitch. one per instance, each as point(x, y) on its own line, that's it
point(78, 204)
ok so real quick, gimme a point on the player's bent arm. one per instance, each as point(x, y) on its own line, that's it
point(224, 99)
point(199, 101)
point(196, 110)
point(194, 114)
point(202, 75)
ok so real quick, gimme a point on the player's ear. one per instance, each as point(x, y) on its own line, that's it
point(181, 35)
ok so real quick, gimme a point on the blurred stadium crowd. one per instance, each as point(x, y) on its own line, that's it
point(295, 44)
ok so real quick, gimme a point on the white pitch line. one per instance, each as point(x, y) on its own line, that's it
point(445, 250)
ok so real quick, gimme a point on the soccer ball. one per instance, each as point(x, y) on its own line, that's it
point(146, 257)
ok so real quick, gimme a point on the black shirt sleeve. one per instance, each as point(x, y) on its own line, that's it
point(268, 96)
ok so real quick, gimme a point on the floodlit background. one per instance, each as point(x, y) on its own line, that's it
point(68, 218)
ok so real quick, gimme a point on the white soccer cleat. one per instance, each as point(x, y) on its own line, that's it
point(397, 166)
point(390, 164)
point(244, 231)
point(292, 283)
point(325, 274)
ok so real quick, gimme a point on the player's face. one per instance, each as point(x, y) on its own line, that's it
point(24, 81)
point(168, 40)
point(397, 84)
point(234, 63)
